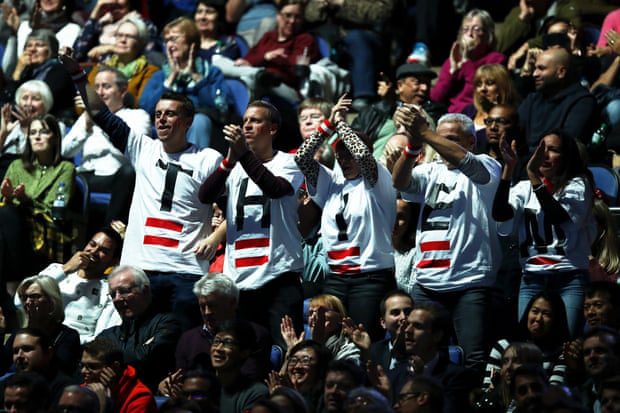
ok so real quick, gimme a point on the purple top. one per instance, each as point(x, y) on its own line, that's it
point(458, 89)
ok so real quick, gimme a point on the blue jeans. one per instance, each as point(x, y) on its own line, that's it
point(200, 132)
point(173, 292)
point(470, 316)
point(569, 285)
point(362, 47)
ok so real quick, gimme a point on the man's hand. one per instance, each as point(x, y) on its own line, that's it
point(411, 123)
point(340, 109)
point(398, 342)
point(206, 248)
point(379, 379)
point(68, 61)
point(238, 145)
point(530, 61)
point(79, 261)
point(102, 395)
point(357, 333)
point(536, 160)
point(516, 56)
point(509, 156)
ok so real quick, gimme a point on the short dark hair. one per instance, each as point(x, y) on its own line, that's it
point(243, 332)
point(322, 353)
point(393, 293)
point(347, 366)
point(274, 114)
point(44, 339)
point(527, 370)
point(105, 350)
point(187, 106)
point(440, 318)
point(604, 331)
point(214, 384)
point(514, 113)
point(115, 237)
point(283, 3)
point(430, 386)
point(38, 389)
point(607, 288)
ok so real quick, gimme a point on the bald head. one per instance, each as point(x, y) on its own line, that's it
point(551, 69)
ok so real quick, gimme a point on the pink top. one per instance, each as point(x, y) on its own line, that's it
point(612, 21)
point(458, 89)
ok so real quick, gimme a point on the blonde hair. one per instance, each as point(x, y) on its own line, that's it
point(49, 287)
point(331, 302)
point(606, 247)
point(189, 29)
point(501, 77)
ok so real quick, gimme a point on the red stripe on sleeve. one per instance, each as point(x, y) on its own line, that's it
point(433, 264)
point(251, 261)
point(435, 246)
point(251, 243)
point(164, 223)
point(161, 241)
point(542, 261)
point(345, 269)
point(342, 254)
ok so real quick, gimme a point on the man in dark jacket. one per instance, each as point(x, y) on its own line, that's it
point(146, 337)
point(557, 103)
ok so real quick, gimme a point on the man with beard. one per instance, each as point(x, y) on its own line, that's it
point(84, 286)
point(601, 359)
point(557, 103)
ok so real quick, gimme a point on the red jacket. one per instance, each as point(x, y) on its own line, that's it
point(130, 395)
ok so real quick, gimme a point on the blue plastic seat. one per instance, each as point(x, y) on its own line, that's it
point(240, 93)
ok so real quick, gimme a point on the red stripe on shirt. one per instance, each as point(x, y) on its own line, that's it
point(342, 254)
point(435, 246)
point(251, 243)
point(345, 269)
point(161, 241)
point(164, 223)
point(542, 261)
point(433, 264)
point(251, 261)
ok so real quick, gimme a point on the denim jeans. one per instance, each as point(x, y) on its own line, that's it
point(173, 292)
point(570, 286)
point(362, 47)
point(470, 315)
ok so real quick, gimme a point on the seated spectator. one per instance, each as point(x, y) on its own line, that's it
point(218, 298)
point(527, 385)
point(146, 337)
point(543, 324)
point(552, 212)
point(355, 28)
point(102, 363)
point(231, 347)
point(269, 66)
point(605, 260)
point(304, 370)
point(198, 384)
point(289, 400)
point(359, 193)
point(103, 166)
point(557, 102)
point(186, 72)
point(395, 309)
point(98, 35)
point(38, 61)
point(325, 317)
point(30, 186)
point(601, 359)
point(365, 399)
point(473, 48)
point(413, 84)
point(26, 392)
point(210, 19)
point(493, 86)
point(41, 300)
point(33, 352)
point(78, 398)
point(426, 332)
point(342, 377)
point(497, 386)
point(609, 395)
point(420, 395)
point(502, 122)
point(32, 98)
point(128, 56)
point(601, 306)
point(83, 285)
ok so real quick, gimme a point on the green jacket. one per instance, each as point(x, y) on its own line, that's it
point(42, 184)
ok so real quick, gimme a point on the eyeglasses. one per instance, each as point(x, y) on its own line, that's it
point(122, 291)
point(226, 342)
point(403, 397)
point(499, 121)
point(475, 29)
point(314, 116)
point(171, 38)
point(304, 360)
point(33, 297)
point(90, 366)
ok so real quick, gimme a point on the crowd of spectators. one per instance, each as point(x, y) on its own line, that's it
point(437, 239)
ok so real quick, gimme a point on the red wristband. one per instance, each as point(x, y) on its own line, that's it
point(225, 166)
point(411, 151)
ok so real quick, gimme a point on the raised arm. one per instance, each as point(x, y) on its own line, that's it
point(502, 211)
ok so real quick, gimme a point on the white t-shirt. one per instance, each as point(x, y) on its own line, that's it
point(262, 239)
point(99, 155)
point(545, 247)
point(357, 220)
point(456, 239)
point(166, 218)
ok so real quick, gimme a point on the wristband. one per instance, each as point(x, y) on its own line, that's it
point(325, 128)
point(79, 77)
point(225, 166)
point(411, 151)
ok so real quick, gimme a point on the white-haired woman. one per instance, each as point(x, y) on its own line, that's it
point(473, 48)
point(40, 298)
point(127, 55)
